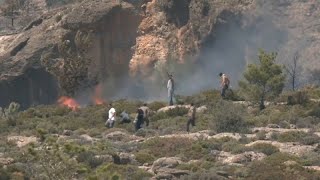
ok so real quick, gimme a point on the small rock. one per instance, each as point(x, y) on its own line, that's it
point(21, 141)
point(168, 162)
point(126, 158)
point(121, 136)
point(273, 126)
point(223, 173)
point(293, 126)
point(244, 157)
point(290, 163)
point(6, 161)
point(175, 172)
point(163, 176)
point(67, 133)
point(105, 158)
point(86, 138)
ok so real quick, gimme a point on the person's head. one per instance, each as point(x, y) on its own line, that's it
point(110, 104)
point(192, 104)
point(220, 74)
point(170, 76)
point(145, 104)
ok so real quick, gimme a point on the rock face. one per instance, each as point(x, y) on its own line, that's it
point(71, 49)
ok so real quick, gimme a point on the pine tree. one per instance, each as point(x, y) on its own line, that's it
point(264, 80)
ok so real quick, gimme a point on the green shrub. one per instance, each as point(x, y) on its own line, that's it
point(298, 136)
point(311, 159)
point(261, 135)
point(275, 136)
point(265, 148)
point(315, 111)
point(273, 167)
point(89, 158)
point(114, 171)
point(145, 132)
point(234, 147)
point(310, 139)
point(143, 157)
point(126, 105)
point(208, 98)
point(185, 148)
point(178, 111)
point(296, 97)
point(156, 105)
point(203, 175)
point(229, 118)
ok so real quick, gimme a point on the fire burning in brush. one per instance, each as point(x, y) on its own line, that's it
point(69, 102)
point(97, 97)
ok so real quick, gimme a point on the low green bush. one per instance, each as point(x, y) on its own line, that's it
point(311, 159)
point(144, 157)
point(273, 167)
point(229, 118)
point(234, 147)
point(261, 135)
point(299, 136)
point(114, 171)
point(265, 148)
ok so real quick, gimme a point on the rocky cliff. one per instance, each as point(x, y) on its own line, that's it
point(74, 48)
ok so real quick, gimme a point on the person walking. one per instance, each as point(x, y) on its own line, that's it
point(170, 87)
point(146, 113)
point(112, 117)
point(139, 119)
point(191, 116)
point(225, 83)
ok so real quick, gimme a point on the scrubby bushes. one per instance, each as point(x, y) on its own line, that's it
point(299, 136)
point(267, 149)
point(229, 118)
point(113, 171)
point(274, 167)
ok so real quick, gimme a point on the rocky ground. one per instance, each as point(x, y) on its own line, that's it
point(229, 141)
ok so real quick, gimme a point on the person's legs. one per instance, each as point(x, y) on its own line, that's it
point(146, 120)
point(111, 124)
point(193, 122)
point(138, 124)
point(223, 91)
point(171, 98)
point(188, 124)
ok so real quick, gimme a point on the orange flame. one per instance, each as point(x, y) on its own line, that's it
point(69, 102)
point(97, 98)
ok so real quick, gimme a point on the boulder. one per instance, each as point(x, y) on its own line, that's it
point(86, 138)
point(67, 132)
point(245, 157)
point(21, 141)
point(121, 136)
point(288, 147)
point(126, 158)
point(6, 161)
point(105, 158)
point(174, 172)
point(165, 162)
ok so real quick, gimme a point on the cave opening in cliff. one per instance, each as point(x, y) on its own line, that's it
point(35, 87)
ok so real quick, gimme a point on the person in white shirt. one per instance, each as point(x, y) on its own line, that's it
point(112, 117)
point(170, 87)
